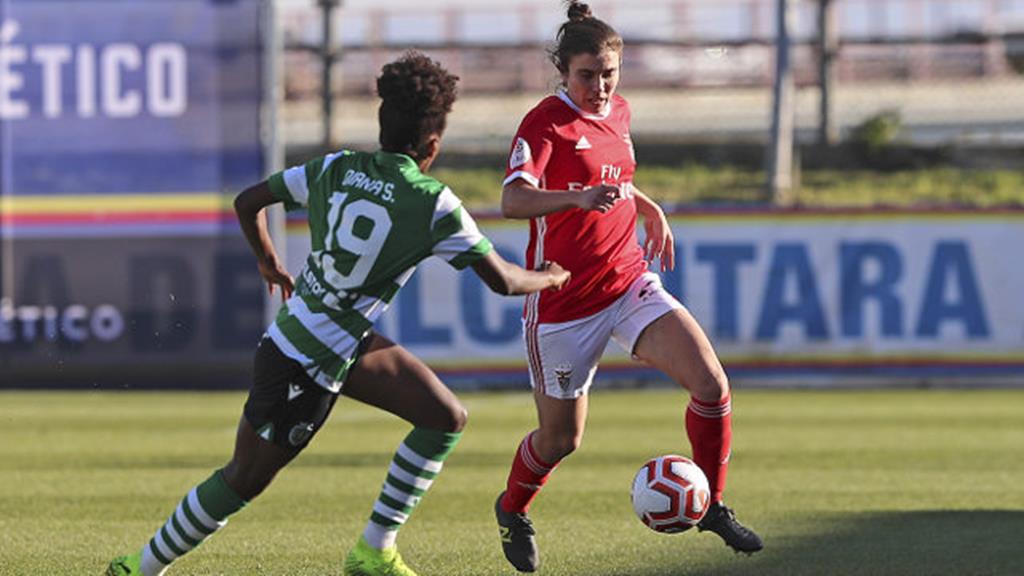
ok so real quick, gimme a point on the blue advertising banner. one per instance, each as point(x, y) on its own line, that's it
point(808, 297)
point(126, 128)
point(109, 96)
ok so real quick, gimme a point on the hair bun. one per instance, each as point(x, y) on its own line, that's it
point(579, 11)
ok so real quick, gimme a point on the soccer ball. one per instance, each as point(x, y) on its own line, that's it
point(670, 494)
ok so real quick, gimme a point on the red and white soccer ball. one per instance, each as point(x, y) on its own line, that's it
point(670, 494)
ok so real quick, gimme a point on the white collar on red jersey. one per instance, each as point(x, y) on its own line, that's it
point(564, 97)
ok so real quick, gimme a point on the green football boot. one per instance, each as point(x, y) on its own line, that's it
point(125, 566)
point(365, 560)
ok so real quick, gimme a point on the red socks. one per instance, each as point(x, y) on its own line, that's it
point(528, 475)
point(709, 426)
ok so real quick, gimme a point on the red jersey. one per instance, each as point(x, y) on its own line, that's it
point(561, 147)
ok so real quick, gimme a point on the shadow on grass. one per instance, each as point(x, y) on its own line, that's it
point(919, 543)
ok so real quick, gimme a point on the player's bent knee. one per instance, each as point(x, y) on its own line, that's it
point(711, 388)
point(574, 444)
point(248, 484)
point(565, 445)
point(452, 419)
point(460, 417)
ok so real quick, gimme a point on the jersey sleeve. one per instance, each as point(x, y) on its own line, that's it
point(292, 185)
point(457, 240)
point(531, 149)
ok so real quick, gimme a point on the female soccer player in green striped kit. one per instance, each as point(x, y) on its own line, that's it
point(372, 217)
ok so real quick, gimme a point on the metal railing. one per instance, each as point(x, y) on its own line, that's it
point(670, 44)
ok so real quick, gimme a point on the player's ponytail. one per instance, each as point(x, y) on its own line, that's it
point(416, 96)
point(579, 11)
point(582, 33)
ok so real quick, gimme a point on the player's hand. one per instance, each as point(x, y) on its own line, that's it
point(559, 276)
point(600, 198)
point(276, 275)
point(659, 242)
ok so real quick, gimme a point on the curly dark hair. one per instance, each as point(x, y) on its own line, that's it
point(417, 94)
point(582, 33)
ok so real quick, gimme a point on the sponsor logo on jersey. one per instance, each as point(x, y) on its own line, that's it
point(520, 154)
point(300, 433)
point(610, 172)
point(583, 144)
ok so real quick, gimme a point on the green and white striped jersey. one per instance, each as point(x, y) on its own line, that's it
point(372, 217)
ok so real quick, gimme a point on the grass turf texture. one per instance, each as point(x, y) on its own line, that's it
point(872, 483)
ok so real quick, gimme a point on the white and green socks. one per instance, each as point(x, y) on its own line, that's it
point(203, 511)
point(416, 463)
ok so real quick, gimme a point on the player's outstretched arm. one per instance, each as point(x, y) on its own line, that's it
point(508, 279)
point(249, 206)
point(520, 199)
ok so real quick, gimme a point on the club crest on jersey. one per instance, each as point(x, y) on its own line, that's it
point(583, 144)
point(520, 154)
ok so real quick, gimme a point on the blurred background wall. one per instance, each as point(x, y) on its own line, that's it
point(695, 70)
point(888, 259)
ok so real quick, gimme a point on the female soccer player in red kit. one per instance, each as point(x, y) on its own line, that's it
point(570, 172)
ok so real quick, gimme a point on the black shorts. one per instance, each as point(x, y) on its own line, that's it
point(285, 405)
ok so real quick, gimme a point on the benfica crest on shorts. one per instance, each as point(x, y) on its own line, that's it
point(563, 373)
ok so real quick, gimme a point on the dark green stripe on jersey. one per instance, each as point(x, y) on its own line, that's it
point(481, 249)
point(300, 337)
point(279, 190)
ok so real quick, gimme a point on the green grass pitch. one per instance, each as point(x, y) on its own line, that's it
point(845, 482)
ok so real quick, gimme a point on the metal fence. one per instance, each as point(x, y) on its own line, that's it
point(951, 68)
point(672, 43)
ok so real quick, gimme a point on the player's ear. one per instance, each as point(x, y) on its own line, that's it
point(434, 145)
point(431, 148)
